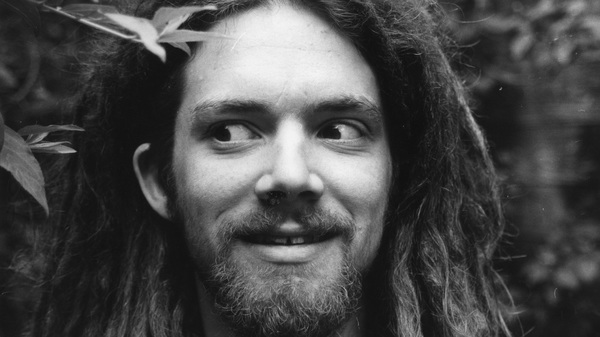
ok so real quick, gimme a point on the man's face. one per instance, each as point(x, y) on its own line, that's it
point(281, 162)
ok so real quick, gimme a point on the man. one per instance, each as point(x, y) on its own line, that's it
point(317, 175)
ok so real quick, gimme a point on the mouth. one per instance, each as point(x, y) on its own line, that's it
point(281, 240)
point(294, 239)
point(283, 247)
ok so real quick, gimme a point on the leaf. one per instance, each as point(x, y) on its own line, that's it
point(8, 80)
point(1, 131)
point(34, 129)
point(164, 15)
point(563, 52)
point(173, 24)
point(576, 8)
point(52, 147)
point(592, 24)
point(522, 44)
point(184, 35)
point(36, 138)
point(144, 29)
point(169, 31)
point(17, 159)
point(27, 10)
point(543, 9)
point(183, 46)
point(57, 149)
point(44, 145)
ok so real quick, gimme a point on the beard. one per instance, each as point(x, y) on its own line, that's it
point(282, 300)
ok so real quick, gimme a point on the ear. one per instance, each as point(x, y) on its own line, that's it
point(147, 175)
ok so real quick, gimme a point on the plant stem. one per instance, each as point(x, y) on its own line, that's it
point(91, 24)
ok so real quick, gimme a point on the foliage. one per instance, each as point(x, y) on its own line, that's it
point(16, 153)
point(1, 132)
point(515, 47)
point(163, 28)
point(511, 37)
point(17, 158)
point(530, 66)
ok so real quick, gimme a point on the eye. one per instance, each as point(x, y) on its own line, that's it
point(233, 133)
point(340, 131)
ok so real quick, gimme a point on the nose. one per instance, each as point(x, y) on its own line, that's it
point(289, 176)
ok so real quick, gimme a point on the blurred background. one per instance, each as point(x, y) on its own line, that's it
point(533, 68)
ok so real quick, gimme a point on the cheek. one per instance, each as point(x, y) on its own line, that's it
point(208, 192)
point(369, 213)
point(214, 186)
point(363, 192)
point(207, 189)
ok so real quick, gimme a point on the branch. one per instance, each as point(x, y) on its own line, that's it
point(90, 23)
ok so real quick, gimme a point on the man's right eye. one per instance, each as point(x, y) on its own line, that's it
point(235, 132)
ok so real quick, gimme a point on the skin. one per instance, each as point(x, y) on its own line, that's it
point(288, 105)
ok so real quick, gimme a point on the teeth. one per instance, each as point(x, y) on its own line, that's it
point(286, 240)
point(297, 240)
point(280, 241)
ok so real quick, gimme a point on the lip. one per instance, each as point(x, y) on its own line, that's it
point(291, 254)
point(291, 239)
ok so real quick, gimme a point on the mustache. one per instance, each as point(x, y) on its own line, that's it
point(316, 221)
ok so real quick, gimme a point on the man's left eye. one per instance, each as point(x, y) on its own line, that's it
point(340, 131)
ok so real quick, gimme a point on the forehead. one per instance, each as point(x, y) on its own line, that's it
point(273, 51)
point(277, 29)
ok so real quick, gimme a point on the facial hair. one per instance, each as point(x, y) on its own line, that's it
point(283, 300)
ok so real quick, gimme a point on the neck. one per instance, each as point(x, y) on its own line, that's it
point(214, 326)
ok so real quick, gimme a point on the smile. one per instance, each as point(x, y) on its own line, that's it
point(289, 249)
point(286, 240)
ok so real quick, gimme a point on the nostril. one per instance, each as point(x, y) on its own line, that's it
point(272, 192)
point(309, 195)
point(275, 197)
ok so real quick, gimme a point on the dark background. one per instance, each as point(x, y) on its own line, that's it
point(533, 68)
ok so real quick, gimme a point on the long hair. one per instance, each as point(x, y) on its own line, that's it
point(115, 268)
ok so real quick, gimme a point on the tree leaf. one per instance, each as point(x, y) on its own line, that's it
point(17, 159)
point(1, 131)
point(8, 80)
point(592, 24)
point(47, 144)
point(174, 24)
point(144, 29)
point(164, 15)
point(34, 129)
point(183, 46)
point(543, 9)
point(184, 35)
point(563, 52)
point(52, 147)
point(522, 44)
point(36, 138)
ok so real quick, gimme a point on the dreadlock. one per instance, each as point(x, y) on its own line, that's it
point(115, 268)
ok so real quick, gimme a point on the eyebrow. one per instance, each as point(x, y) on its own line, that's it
point(359, 104)
point(226, 106)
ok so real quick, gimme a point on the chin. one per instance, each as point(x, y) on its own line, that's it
point(267, 299)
